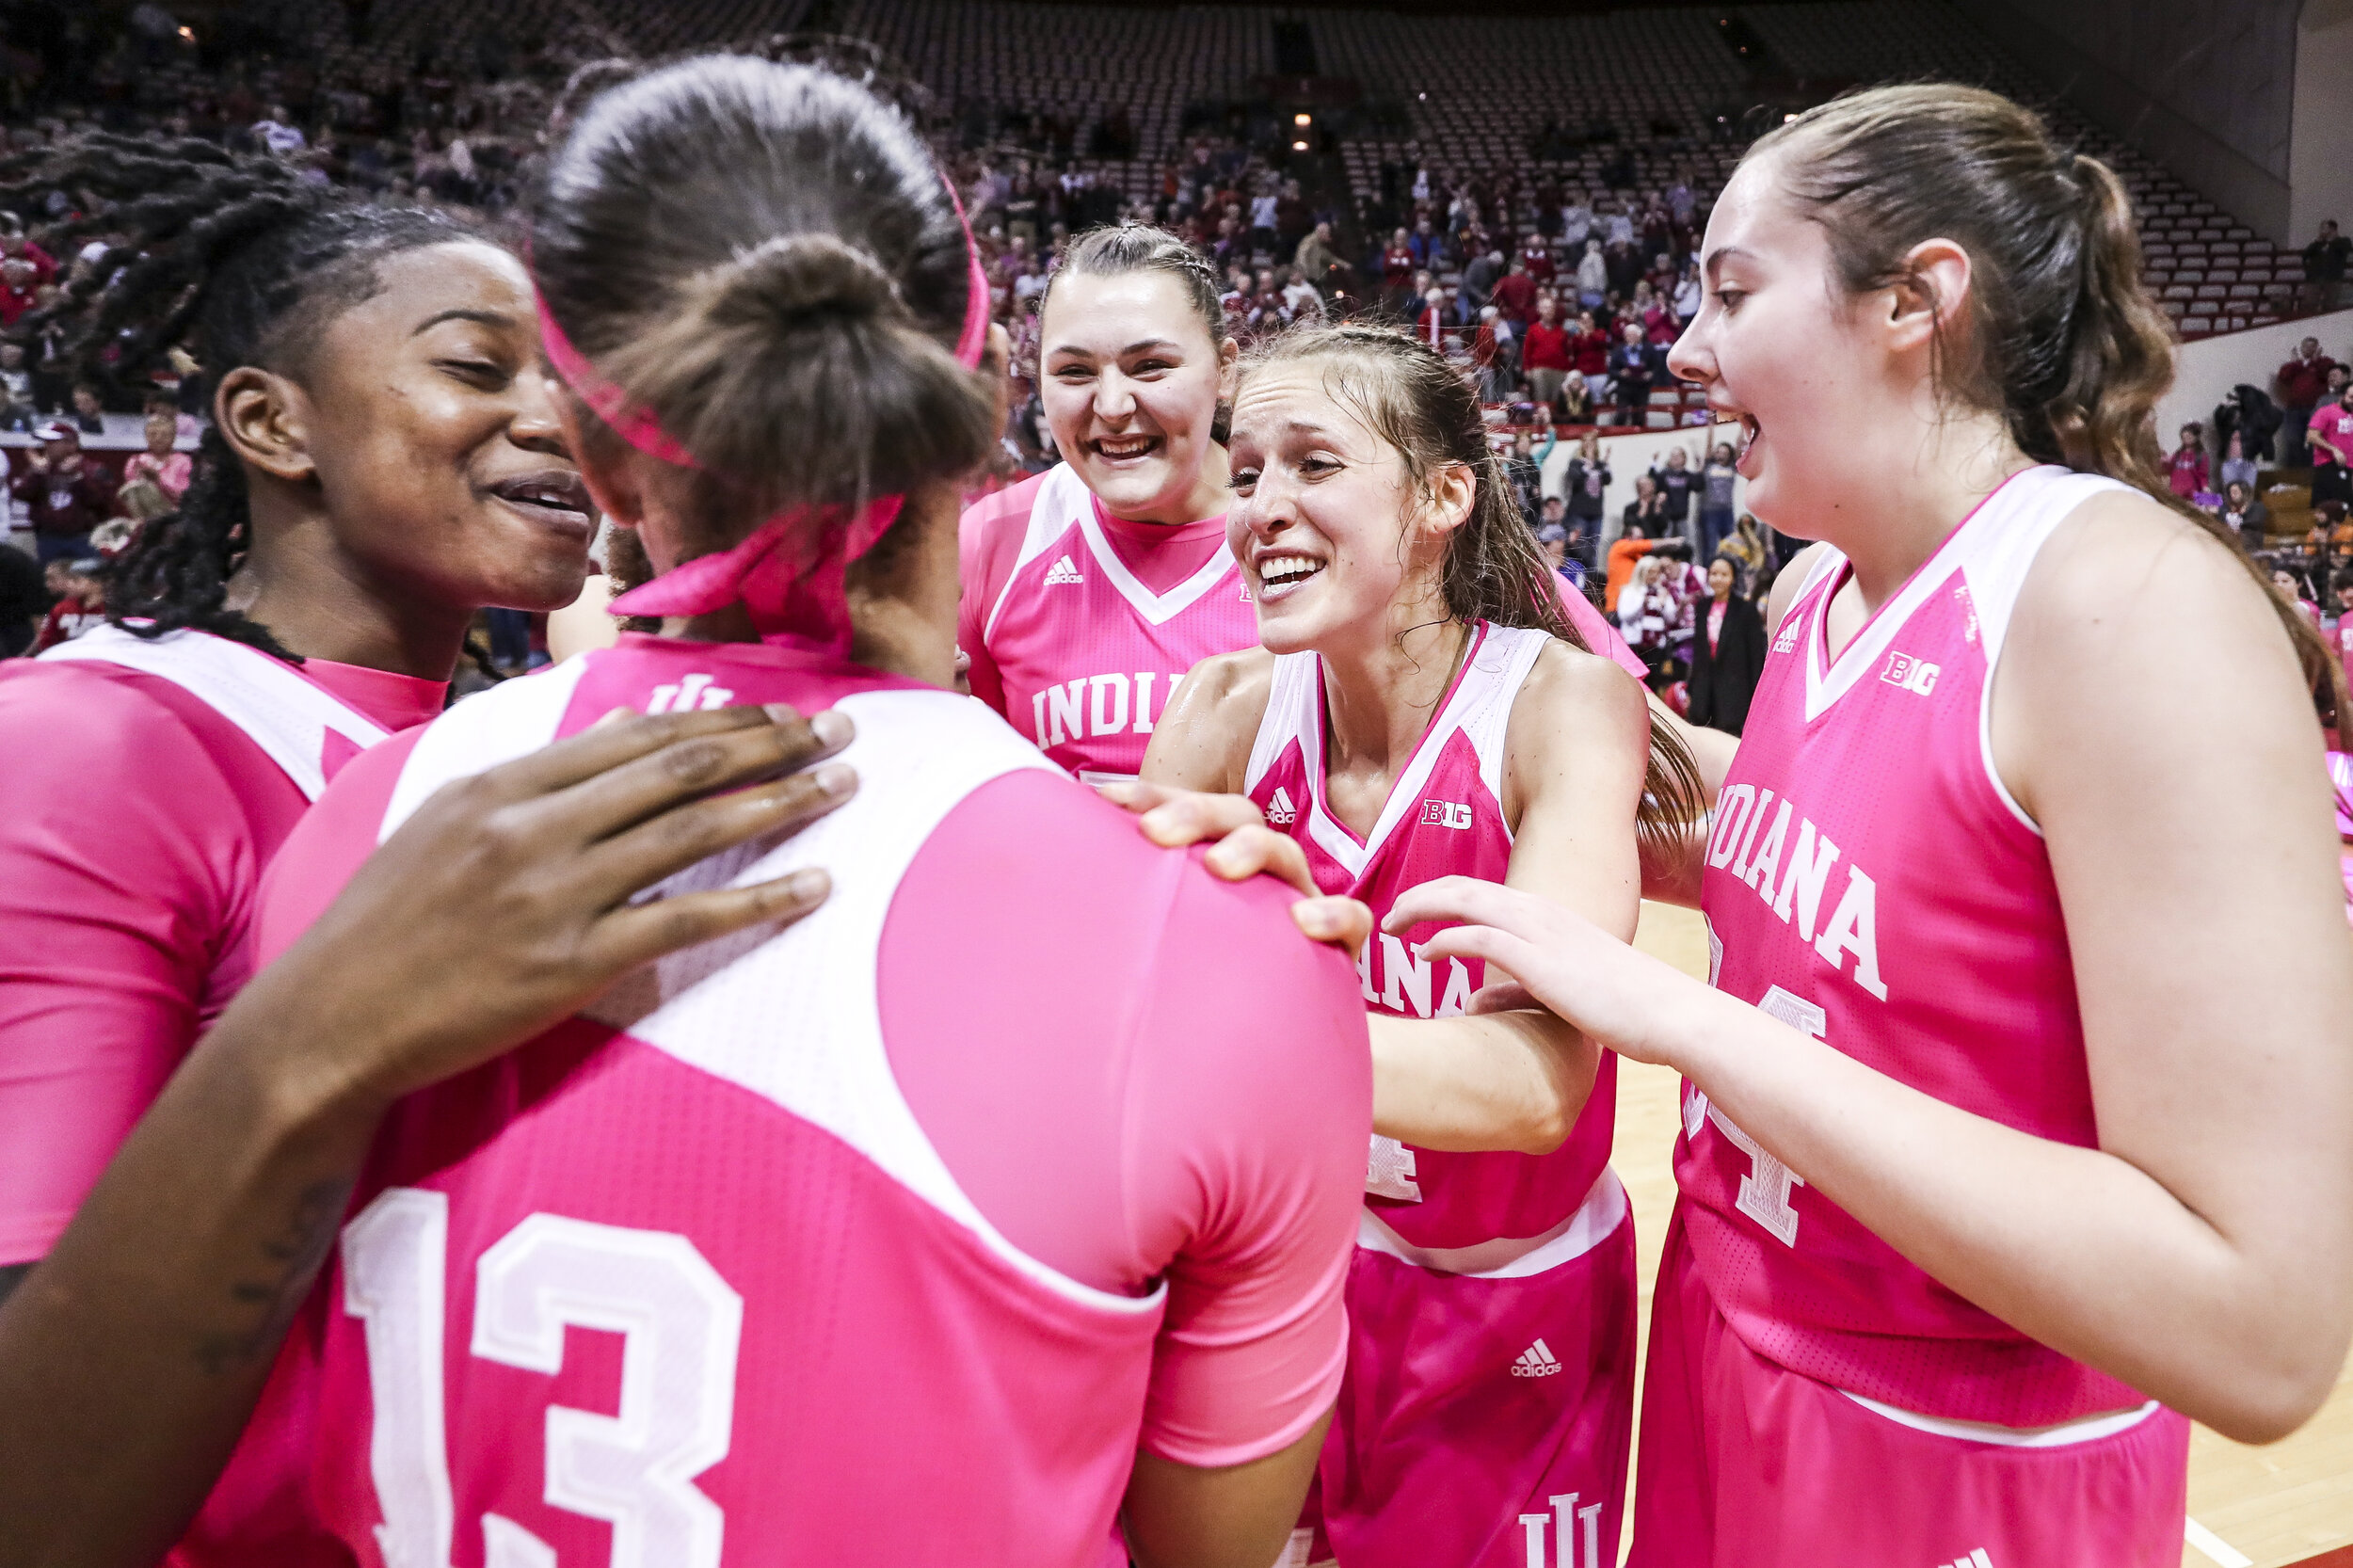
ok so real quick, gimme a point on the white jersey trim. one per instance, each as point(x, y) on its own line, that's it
point(279, 711)
point(1592, 1221)
point(1054, 510)
point(2066, 1435)
point(1157, 609)
point(793, 1015)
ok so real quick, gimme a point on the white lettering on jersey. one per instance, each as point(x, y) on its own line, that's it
point(1389, 1170)
point(1912, 675)
point(692, 693)
point(1765, 1192)
point(1094, 705)
point(680, 1326)
point(1446, 813)
point(1855, 929)
point(1404, 980)
point(1279, 809)
point(1566, 1513)
point(1794, 892)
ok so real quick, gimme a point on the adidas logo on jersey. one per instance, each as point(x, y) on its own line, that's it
point(692, 693)
point(1912, 675)
point(1446, 813)
point(1975, 1560)
point(1063, 570)
point(1787, 641)
point(1537, 1361)
point(1279, 810)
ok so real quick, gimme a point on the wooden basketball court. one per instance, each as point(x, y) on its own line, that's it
point(2288, 1504)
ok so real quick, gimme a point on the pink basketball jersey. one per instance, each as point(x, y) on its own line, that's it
point(1068, 642)
point(1870, 881)
point(743, 1265)
point(1444, 818)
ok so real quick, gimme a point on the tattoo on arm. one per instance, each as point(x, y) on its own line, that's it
point(291, 1261)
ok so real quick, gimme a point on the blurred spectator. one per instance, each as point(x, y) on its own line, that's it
point(2186, 469)
point(1676, 482)
point(2289, 586)
point(1576, 400)
point(1322, 263)
point(1587, 478)
point(2244, 511)
point(15, 245)
point(2236, 468)
point(1515, 293)
point(65, 495)
point(1717, 478)
point(2247, 415)
point(90, 414)
point(1522, 472)
point(24, 600)
point(1727, 654)
point(2301, 382)
point(1629, 363)
point(1592, 277)
point(80, 601)
point(2323, 268)
point(1544, 356)
point(2330, 438)
point(1553, 539)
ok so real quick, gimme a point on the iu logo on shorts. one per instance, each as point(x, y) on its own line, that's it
point(1446, 813)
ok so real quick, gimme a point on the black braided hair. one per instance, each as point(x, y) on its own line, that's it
point(254, 261)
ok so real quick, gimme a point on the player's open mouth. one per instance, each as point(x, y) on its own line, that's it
point(553, 497)
point(1280, 576)
point(1749, 431)
point(1123, 449)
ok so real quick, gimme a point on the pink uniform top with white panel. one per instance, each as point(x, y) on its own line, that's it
point(888, 1238)
point(1080, 627)
point(1871, 882)
point(1468, 1213)
point(148, 784)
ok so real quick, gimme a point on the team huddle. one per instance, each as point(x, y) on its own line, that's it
point(1035, 1189)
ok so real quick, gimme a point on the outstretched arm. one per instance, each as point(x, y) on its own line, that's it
point(2203, 1251)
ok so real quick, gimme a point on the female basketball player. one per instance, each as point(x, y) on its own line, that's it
point(2018, 1119)
point(384, 460)
point(980, 1296)
point(1090, 590)
point(1421, 709)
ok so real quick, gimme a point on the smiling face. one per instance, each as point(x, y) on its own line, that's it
point(435, 439)
point(1720, 577)
point(1328, 525)
point(1130, 380)
point(1777, 346)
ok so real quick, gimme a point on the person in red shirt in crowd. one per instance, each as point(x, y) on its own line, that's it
point(1436, 315)
point(14, 247)
point(1515, 293)
point(2302, 382)
point(2330, 437)
point(1591, 347)
point(168, 471)
point(1544, 354)
point(66, 494)
point(1396, 271)
point(81, 603)
point(1536, 255)
point(19, 288)
point(2187, 469)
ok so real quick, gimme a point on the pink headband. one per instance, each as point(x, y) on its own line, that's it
point(792, 585)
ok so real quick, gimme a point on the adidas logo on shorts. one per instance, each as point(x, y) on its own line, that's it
point(1537, 1361)
point(1280, 812)
point(1062, 570)
point(1975, 1560)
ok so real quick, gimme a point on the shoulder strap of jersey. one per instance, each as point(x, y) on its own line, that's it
point(510, 720)
point(1290, 709)
point(1484, 706)
point(1060, 501)
point(279, 711)
point(2009, 532)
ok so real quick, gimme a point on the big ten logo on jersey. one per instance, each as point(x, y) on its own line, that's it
point(1399, 977)
point(1100, 705)
point(681, 1327)
point(692, 693)
point(1754, 854)
point(1912, 675)
point(1446, 813)
point(1570, 1526)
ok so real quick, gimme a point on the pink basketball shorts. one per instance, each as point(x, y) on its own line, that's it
point(1483, 1420)
point(1745, 1464)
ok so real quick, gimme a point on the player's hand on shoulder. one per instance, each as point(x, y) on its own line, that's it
point(1243, 847)
point(505, 903)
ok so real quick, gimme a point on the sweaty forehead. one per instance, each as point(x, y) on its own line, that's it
point(1293, 395)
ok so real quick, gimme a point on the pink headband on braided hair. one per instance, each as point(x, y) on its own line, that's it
point(793, 585)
